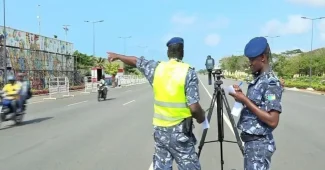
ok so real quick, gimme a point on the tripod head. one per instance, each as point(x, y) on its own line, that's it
point(217, 73)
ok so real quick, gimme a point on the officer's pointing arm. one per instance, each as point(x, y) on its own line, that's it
point(193, 98)
point(129, 60)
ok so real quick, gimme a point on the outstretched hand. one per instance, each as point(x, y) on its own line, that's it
point(113, 56)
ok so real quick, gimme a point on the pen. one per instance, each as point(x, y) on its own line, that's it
point(240, 83)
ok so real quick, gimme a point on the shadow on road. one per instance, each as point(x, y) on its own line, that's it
point(33, 121)
point(108, 99)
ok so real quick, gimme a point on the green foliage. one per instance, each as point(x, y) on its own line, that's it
point(84, 61)
point(111, 68)
point(287, 65)
point(234, 63)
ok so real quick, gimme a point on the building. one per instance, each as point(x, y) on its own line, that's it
point(39, 56)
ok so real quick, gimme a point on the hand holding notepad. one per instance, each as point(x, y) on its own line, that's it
point(237, 106)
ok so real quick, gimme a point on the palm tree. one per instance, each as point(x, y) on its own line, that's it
point(99, 62)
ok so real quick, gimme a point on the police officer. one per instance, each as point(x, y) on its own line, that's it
point(176, 101)
point(260, 115)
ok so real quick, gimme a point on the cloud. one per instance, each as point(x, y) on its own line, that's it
point(184, 20)
point(294, 25)
point(212, 39)
point(312, 3)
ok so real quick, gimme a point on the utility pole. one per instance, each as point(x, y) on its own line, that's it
point(94, 22)
point(66, 29)
point(311, 44)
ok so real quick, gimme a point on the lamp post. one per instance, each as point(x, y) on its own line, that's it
point(94, 22)
point(66, 29)
point(124, 43)
point(144, 49)
point(311, 43)
point(5, 42)
point(39, 19)
point(272, 37)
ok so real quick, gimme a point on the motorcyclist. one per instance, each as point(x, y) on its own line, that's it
point(25, 92)
point(103, 82)
point(11, 92)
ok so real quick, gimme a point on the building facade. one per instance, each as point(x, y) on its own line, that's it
point(39, 56)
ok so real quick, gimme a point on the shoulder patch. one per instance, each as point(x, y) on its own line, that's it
point(272, 81)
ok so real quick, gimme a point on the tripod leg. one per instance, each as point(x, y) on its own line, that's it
point(220, 125)
point(205, 131)
point(232, 121)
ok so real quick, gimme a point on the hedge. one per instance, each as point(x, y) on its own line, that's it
point(300, 83)
point(304, 85)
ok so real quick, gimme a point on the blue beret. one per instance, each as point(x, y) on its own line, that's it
point(255, 47)
point(175, 40)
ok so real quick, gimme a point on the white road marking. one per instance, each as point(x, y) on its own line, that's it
point(128, 102)
point(151, 166)
point(225, 118)
point(35, 102)
point(77, 103)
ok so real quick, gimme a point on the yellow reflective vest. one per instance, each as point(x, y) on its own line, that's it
point(170, 107)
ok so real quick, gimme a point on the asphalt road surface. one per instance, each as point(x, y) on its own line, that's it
point(81, 133)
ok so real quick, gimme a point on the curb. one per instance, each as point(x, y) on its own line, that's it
point(305, 91)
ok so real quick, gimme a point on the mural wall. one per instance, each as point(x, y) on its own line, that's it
point(40, 57)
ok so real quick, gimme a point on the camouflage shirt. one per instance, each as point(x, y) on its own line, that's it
point(265, 92)
point(148, 67)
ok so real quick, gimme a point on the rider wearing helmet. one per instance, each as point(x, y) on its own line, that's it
point(11, 91)
point(25, 92)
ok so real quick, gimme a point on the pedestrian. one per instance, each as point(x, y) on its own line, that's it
point(260, 115)
point(176, 102)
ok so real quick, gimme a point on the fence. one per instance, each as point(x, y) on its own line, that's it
point(40, 66)
point(90, 86)
point(59, 86)
point(129, 80)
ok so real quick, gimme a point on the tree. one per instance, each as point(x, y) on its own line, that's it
point(111, 68)
point(99, 62)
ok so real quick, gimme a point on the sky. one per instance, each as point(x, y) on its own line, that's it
point(209, 27)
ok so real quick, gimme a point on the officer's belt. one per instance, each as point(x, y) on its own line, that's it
point(246, 137)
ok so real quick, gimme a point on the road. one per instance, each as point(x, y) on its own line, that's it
point(81, 133)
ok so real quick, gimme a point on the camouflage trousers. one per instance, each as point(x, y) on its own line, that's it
point(171, 143)
point(257, 154)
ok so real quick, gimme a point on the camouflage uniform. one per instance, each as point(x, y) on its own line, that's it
point(170, 142)
point(266, 92)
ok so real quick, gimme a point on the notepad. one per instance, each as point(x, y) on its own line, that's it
point(238, 107)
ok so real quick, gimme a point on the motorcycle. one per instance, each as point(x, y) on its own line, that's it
point(102, 92)
point(6, 113)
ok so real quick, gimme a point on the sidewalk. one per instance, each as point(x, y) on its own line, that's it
point(305, 91)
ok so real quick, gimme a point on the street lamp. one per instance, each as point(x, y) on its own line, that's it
point(272, 37)
point(144, 49)
point(311, 43)
point(39, 19)
point(5, 42)
point(124, 42)
point(66, 29)
point(94, 22)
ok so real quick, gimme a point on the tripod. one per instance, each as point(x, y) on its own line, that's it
point(220, 98)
